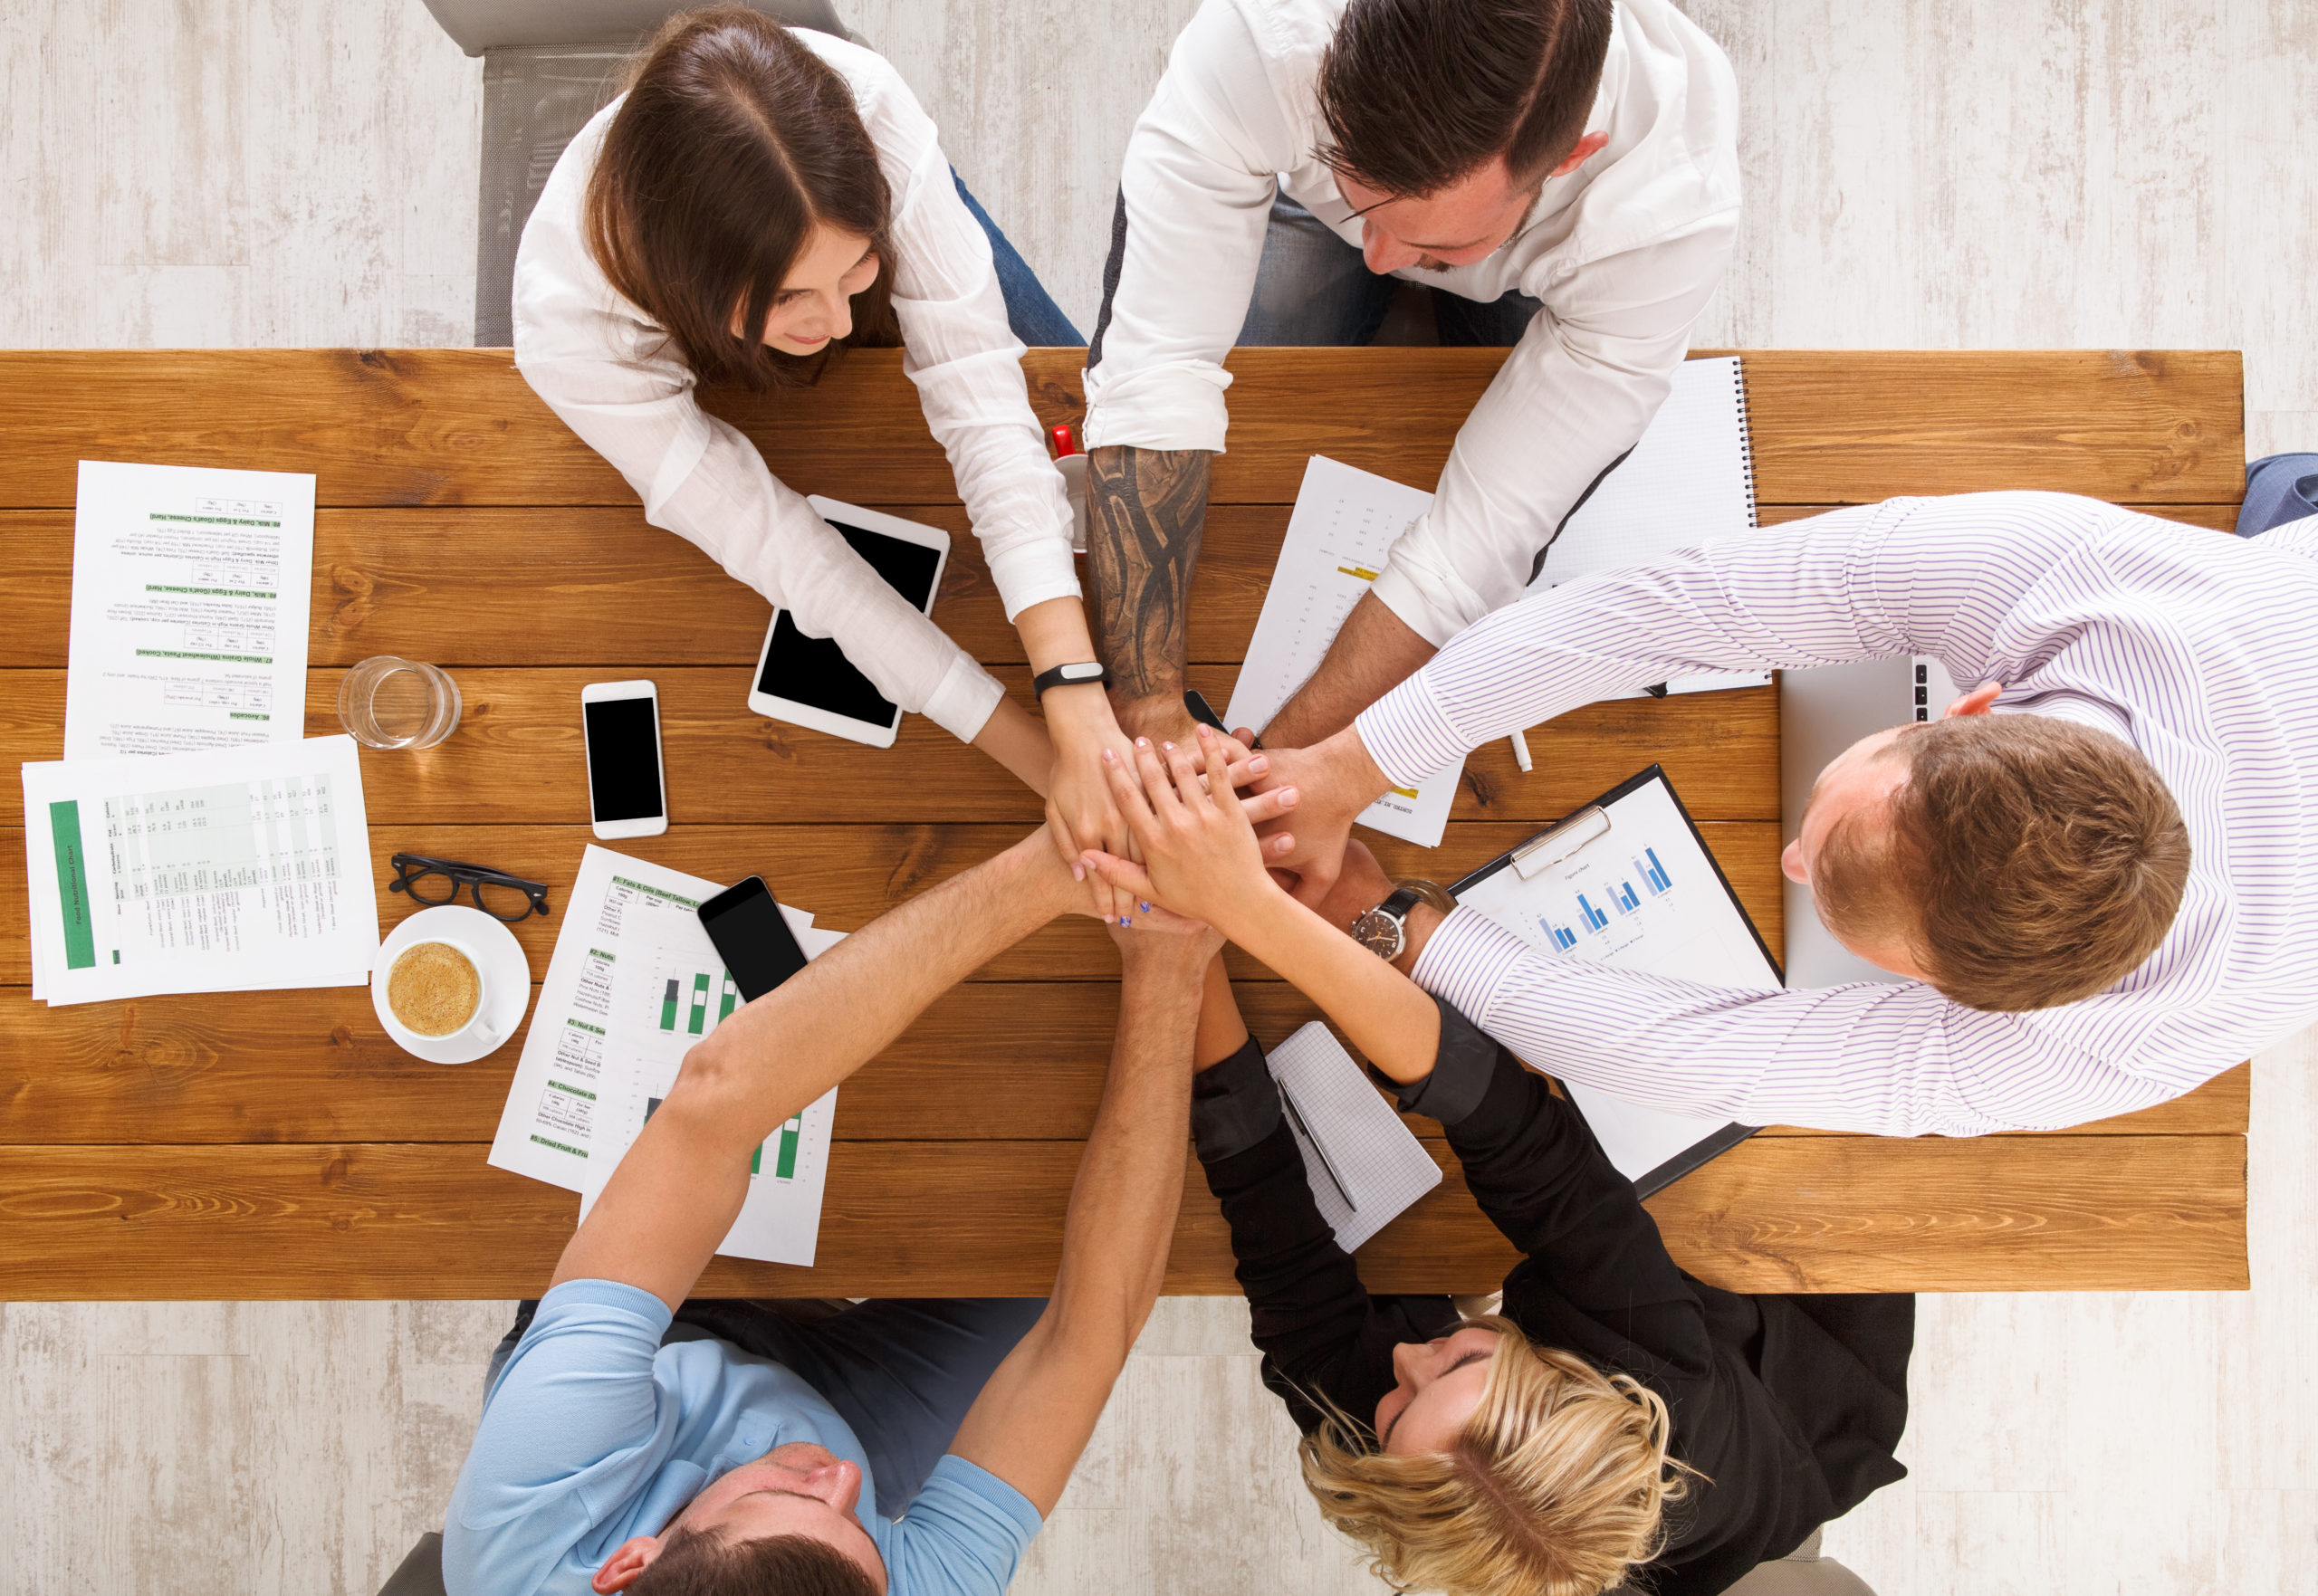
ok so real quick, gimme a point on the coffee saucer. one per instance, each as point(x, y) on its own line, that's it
point(506, 980)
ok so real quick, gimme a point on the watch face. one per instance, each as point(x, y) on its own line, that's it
point(1378, 933)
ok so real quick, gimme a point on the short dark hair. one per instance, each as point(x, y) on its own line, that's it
point(733, 142)
point(1417, 94)
point(703, 1562)
point(2027, 860)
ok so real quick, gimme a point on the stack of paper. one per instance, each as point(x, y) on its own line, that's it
point(1365, 1166)
point(634, 982)
point(227, 870)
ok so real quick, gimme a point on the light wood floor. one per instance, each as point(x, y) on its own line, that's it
point(1972, 172)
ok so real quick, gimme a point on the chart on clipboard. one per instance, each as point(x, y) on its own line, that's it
point(1627, 881)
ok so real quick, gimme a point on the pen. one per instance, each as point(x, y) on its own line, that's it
point(1521, 752)
point(1304, 1129)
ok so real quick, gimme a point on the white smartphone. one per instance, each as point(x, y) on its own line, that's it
point(808, 681)
point(626, 795)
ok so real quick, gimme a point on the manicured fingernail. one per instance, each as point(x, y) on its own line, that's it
point(1079, 872)
point(1168, 746)
point(1126, 921)
point(1142, 742)
point(1146, 908)
point(1109, 757)
point(1258, 765)
point(1287, 797)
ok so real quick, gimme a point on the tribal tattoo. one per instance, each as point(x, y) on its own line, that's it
point(1146, 508)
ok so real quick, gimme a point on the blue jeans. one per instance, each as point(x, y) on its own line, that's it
point(900, 1371)
point(1313, 290)
point(2279, 489)
point(1030, 311)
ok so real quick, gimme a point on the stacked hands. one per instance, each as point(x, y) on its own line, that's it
point(1202, 854)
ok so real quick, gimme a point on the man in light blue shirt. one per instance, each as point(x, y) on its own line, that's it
point(761, 1456)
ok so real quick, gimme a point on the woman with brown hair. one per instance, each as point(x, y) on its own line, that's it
point(1615, 1418)
point(760, 197)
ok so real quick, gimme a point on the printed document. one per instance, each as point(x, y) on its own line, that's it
point(1628, 884)
point(226, 870)
point(632, 983)
point(190, 593)
point(1344, 525)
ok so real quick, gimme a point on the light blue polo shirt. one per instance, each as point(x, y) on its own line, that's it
point(594, 1433)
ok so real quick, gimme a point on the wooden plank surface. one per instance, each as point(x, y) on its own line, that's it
point(460, 427)
point(519, 757)
point(435, 584)
point(278, 1145)
point(984, 1217)
point(850, 875)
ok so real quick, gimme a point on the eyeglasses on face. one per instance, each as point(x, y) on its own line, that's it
point(435, 882)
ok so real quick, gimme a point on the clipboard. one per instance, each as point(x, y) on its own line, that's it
point(1629, 881)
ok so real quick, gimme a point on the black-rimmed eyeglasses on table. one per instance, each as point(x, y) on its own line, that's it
point(437, 882)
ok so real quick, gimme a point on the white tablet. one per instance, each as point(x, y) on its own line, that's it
point(808, 681)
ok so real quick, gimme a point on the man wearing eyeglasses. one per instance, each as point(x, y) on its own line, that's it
point(624, 1447)
point(1562, 175)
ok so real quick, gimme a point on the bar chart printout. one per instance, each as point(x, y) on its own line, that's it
point(1642, 897)
point(634, 985)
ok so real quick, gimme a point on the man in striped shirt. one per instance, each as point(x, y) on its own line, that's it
point(2124, 662)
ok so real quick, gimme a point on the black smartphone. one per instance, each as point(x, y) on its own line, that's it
point(1203, 711)
point(752, 938)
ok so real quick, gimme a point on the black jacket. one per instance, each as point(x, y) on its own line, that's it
point(1789, 1405)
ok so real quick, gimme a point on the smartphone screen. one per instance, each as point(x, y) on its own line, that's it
point(752, 938)
point(814, 671)
point(623, 759)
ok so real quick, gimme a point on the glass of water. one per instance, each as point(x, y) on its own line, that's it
point(389, 702)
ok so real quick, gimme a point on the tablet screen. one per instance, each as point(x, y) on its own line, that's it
point(814, 671)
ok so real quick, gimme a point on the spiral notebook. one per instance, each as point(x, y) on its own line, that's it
point(1690, 481)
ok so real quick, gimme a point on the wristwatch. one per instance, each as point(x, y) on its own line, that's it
point(1383, 931)
point(1069, 676)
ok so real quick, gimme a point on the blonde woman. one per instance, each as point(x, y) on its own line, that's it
point(1617, 1419)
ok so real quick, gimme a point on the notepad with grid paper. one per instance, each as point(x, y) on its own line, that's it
point(1363, 1145)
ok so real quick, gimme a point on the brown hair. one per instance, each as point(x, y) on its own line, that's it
point(703, 1562)
point(1554, 1488)
point(734, 142)
point(2027, 860)
point(1418, 93)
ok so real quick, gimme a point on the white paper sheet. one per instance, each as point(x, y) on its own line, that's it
point(1368, 1166)
point(190, 594)
point(1690, 479)
point(224, 870)
point(1641, 895)
point(1344, 525)
point(607, 1037)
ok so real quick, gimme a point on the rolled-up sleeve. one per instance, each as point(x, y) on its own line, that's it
point(1197, 189)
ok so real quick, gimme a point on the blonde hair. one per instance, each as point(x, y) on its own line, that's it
point(1555, 1486)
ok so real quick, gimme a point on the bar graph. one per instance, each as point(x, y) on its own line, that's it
point(727, 999)
point(1622, 899)
point(1594, 918)
point(1652, 873)
point(1563, 937)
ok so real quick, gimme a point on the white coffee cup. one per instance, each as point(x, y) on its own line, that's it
point(478, 1027)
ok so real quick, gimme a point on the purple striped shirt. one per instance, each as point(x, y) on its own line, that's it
point(2199, 649)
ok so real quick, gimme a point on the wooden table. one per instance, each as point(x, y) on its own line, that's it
point(278, 1145)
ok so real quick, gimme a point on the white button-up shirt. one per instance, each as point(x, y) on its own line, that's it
point(2193, 646)
point(1622, 253)
point(606, 367)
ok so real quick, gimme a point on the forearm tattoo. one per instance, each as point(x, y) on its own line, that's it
point(1146, 508)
